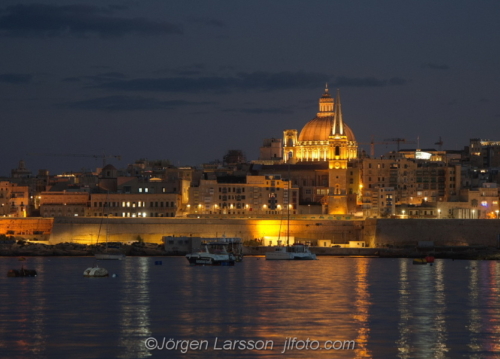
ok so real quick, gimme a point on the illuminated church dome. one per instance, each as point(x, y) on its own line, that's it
point(326, 137)
point(320, 129)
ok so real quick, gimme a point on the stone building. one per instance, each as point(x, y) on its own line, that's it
point(133, 204)
point(14, 199)
point(67, 203)
point(255, 195)
point(484, 153)
point(271, 150)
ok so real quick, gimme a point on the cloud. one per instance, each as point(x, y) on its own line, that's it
point(103, 77)
point(259, 111)
point(40, 20)
point(208, 22)
point(432, 66)
point(368, 82)
point(16, 78)
point(127, 103)
point(263, 81)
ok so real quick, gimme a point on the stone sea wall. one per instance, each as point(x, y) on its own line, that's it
point(443, 232)
point(88, 230)
point(375, 232)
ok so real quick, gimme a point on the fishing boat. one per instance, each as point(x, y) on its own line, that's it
point(212, 254)
point(186, 245)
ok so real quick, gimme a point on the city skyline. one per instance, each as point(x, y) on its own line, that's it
point(188, 82)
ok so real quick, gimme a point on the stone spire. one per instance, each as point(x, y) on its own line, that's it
point(338, 123)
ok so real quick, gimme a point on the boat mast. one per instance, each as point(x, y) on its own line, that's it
point(288, 202)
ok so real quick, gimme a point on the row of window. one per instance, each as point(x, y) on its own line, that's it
point(139, 214)
point(146, 190)
point(234, 189)
point(237, 198)
point(133, 204)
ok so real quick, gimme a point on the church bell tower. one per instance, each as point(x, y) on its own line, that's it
point(337, 165)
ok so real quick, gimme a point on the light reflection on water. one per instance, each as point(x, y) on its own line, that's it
point(389, 307)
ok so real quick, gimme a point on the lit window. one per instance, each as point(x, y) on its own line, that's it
point(484, 203)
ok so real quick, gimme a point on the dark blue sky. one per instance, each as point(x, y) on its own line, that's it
point(188, 80)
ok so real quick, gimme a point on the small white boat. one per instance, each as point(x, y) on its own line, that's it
point(109, 253)
point(212, 254)
point(295, 252)
point(95, 271)
point(110, 256)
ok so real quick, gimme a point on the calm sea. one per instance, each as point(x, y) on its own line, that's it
point(386, 308)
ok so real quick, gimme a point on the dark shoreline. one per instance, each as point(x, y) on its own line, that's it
point(37, 249)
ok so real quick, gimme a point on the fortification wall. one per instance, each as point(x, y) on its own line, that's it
point(441, 232)
point(87, 230)
point(375, 232)
point(28, 228)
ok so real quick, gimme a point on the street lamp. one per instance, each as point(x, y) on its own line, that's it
point(473, 213)
point(403, 213)
point(439, 213)
point(496, 213)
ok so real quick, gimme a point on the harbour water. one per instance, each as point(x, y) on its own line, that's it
point(386, 308)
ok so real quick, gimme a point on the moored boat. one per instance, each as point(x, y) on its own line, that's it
point(96, 272)
point(109, 256)
point(212, 254)
point(22, 273)
point(295, 252)
point(419, 261)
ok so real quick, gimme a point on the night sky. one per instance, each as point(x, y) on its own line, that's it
point(186, 81)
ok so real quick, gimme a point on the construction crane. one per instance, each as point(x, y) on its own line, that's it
point(372, 144)
point(398, 141)
point(103, 156)
point(439, 143)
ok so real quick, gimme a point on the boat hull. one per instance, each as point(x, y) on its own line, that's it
point(209, 261)
point(289, 256)
point(290, 253)
point(420, 261)
point(95, 272)
point(276, 256)
point(308, 257)
point(107, 256)
point(22, 273)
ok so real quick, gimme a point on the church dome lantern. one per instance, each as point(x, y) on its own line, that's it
point(322, 137)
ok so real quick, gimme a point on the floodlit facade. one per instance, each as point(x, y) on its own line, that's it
point(326, 138)
point(258, 195)
point(14, 200)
